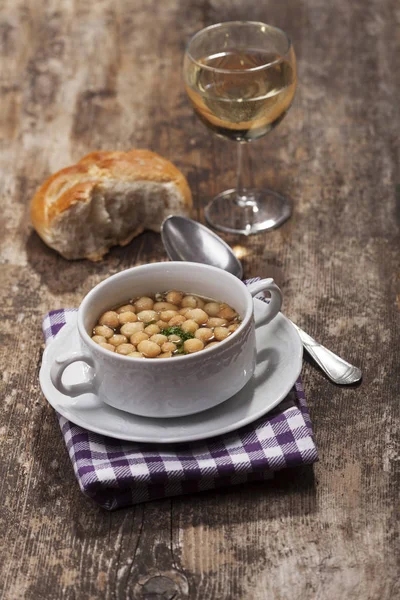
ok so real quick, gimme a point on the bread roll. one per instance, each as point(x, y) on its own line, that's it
point(106, 199)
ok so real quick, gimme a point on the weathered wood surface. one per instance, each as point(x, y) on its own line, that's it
point(79, 76)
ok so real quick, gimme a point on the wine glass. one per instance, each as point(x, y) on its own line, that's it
point(240, 77)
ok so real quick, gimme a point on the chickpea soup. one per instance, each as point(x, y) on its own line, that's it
point(165, 325)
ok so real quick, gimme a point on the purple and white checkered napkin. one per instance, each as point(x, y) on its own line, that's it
point(117, 473)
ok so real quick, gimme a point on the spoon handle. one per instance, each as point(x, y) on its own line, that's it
point(337, 369)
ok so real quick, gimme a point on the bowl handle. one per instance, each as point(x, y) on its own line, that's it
point(275, 303)
point(58, 367)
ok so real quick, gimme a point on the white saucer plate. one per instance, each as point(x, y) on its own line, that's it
point(279, 361)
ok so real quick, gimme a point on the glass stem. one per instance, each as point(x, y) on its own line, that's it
point(243, 199)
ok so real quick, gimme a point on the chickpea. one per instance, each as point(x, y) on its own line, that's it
point(174, 297)
point(193, 345)
point(227, 312)
point(149, 349)
point(198, 315)
point(104, 331)
point(160, 306)
point(233, 327)
point(152, 329)
point(126, 308)
point(165, 355)
point(174, 338)
point(189, 302)
point(189, 326)
point(166, 315)
point(177, 320)
point(159, 339)
point(109, 318)
point(138, 337)
point(216, 322)
point(204, 334)
point(117, 339)
point(147, 315)
point(127, 317)
point(107, 346)
point(162, 324)
point(220, 333)
point(211, 344)
point(212, 308)
point(143, 303)
point(168, 347)
point(125, 349)
point(136, 355)
point(130, 328)
point(99, 339)
point(199, 302)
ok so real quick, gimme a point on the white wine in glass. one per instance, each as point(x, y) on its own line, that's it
point(241, 80)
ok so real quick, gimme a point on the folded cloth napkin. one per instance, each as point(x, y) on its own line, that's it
point(116, 473)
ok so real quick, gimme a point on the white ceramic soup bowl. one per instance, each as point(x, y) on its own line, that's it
point(167, 387)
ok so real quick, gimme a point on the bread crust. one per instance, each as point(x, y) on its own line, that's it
point(76, 183)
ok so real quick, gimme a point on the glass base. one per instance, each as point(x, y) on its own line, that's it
point(255, 211)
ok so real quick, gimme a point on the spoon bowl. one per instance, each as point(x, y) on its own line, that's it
point(185, 239)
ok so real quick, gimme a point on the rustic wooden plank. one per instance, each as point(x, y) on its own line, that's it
point(79, 76)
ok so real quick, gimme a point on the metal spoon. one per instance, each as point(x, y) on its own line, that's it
point(185, 239)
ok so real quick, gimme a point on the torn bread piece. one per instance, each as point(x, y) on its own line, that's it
point(106, 199)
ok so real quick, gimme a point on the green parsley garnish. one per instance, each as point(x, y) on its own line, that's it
point(184, 335)
point(175, 330)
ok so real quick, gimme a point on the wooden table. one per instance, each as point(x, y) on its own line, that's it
point(100, 74)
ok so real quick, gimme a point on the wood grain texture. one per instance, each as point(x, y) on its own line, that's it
point(103, 74)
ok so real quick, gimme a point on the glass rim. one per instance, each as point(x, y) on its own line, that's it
point(231, 23)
